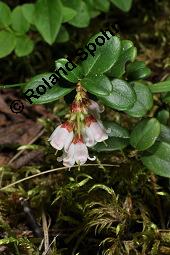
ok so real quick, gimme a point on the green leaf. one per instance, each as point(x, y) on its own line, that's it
point(144, 101)
point(103, 57)
point(68, 14)
point(63, 35)
point(92, 10)
point(24, 46)
point(137, 70)
point(19, 22)
point(111, 144)
point(116, 130)
point(145, 134)
point(122, 96)
point(28, 12)
point(73, 76)
point(124, 5)
point(164, 134)
point(5, 15)
point(48, 18)
point(7, 43)
point(101, 5)
point(163, 86)
point(127, 53)
point(97, 85)
point(51, 94)
point(158, 159)
point(82, 17)
point(163, 116)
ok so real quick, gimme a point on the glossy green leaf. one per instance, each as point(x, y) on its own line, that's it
point(115, 129)
point(24, 46)
point(47, 94)
point(28, 12)
point(7, 43)
point(158, 159)
point(63, 35)
point(68, 14)
point(5, 15)
point(122, 96)
point(163, 116)
point(48, 18)
point(103, 57)
point(164, 134)
point(145, 134)
point(137, 70)
point(19, 22)
point(144, 101)
point(98, 85)
point(82, 17)
point(111, 144)
point(163, 86)
point(127, 53)
point(74, 75)
point(124, 5)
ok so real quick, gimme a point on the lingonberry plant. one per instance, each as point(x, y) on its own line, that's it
point(114, 78)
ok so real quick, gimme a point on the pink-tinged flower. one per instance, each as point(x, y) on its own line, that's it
point(62, 136)
point(94, 131)
point(95, 109)
point(77, 152)
point(76, 107)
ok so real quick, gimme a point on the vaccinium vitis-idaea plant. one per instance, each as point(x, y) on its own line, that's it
point(115, 78)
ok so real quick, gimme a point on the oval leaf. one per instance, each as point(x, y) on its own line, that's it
point(97, 85)
point(137, 70)
point(122, 96)
point(19, 22)
point(164, 134)
point(163, 116)
point(111, 144)
point(47, 94)
point(24, 46)
point(5, 15)
point(7, 43)
point(144, 101)
point(28, 12)
point(68, 14)
point(103, 57)
point(82, 17)
point(145, 134)
point(74, 75)
point(127, 53)
point(116, 130)
point(158, 159)
point(48, 18)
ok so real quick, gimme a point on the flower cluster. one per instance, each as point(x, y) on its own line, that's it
point(83, 129)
